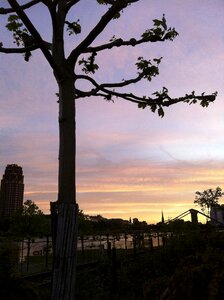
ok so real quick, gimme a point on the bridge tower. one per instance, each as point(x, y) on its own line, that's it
point(194, 216)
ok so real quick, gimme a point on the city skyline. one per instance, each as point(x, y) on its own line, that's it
point(130, 163)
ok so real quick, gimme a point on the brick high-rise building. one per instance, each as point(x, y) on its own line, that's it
point(11, 192)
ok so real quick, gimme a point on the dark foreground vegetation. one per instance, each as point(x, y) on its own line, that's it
point(190, 265)
point(187, 267)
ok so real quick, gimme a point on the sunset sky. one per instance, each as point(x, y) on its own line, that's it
point(130, 162)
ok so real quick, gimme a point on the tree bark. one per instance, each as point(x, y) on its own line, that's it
point(67, 140)
point(66, 212)
point(64, 265)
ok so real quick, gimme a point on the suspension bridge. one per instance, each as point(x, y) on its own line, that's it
point(194, 217)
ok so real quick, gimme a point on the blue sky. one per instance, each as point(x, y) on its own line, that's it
point(130, 163)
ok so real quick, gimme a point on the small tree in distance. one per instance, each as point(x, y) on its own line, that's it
point(208, 198)
point(67, 73)
point(29, 221)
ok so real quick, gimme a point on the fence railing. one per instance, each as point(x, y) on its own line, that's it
point(35, 255)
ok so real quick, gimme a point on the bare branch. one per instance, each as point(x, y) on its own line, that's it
point(126, 1)
point(18, 50)
point(123, 83)
point(106, 18)
point(48, 3)
point(115, 84)
point(119, 42)
point(71, 3)
point(24, 49)
point(101, 87)
point(5, 11)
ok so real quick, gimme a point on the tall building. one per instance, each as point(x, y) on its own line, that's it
point(11, 192)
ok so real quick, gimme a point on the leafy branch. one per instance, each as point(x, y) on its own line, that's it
point(157, 103)
point(158, 33)
point(148, 69)
point(20, 34)
point(89, 65)
point(35, 34)
point(17, 28)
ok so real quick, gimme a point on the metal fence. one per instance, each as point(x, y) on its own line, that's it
point(35, 255)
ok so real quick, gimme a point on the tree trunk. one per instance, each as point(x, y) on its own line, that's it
point(65, 243)
point(64, 265)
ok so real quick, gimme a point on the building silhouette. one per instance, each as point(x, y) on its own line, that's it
point(11, 192)
point(162, 218)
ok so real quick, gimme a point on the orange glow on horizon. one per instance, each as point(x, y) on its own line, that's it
point(123, 199)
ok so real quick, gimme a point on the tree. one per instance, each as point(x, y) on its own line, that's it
point(208, 198)
point(84, 224)
point(29, 221)
point(67, 76)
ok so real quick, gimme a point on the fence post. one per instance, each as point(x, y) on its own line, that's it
point(54, 226)
point(114, 271)
point(134, 245)
point(108, 246)
point(28, 255)
point(125, 241)
point(21, 262)
point(150, 243)
point(82, 243)
point(47, 252)
point(163, 240)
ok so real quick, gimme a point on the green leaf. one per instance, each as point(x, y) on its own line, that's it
point(204, 103)
point(108, 97)
point(158, 60)
point(165, 90)
point(193, 101)
point(158, 31)
point(73, 27)
point(13, 23)
point(16, 27)
point(117, 15)
point(170, 34)
point(157, 94)
point(147, 68)
point(157, 22)
point(153, 107)
point(88, 65)
point(12, 18)
point(161, 112)
point(142, 105)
